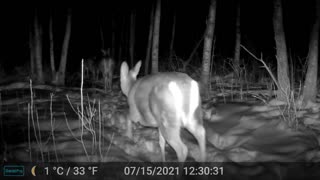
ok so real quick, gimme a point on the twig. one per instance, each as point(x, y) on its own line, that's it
point(264, 64)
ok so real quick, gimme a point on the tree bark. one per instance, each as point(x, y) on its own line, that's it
point(101, 33)
point(124, 39)
point(60, 75)
point(236, 59)
point(113, 38)
point(51, 48)
point(155, 42)
point(282, 57)
point(310, 84)
point(38, 49)
point(147, 60)
point(32, 52)
point(207, 48)
point(121, 42)
point(132, 35)
point(173, 32)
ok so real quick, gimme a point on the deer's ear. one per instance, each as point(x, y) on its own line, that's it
point(124, 69)
point(136, 69)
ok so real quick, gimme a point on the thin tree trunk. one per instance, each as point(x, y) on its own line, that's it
point(121, 38)
point(282, 57)
point(236, 59)
point(126, 38)
point(60, 75)
point(155, 42)
point(173, 32)
point(147, 61)
point(32, 52)
point(132, 35)
point(310, 84)
point(207, 48)
point(38, 49)
point(113, 34)
point(101, 36)
point(51, 47)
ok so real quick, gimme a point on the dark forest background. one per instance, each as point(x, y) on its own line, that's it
point(256, 28)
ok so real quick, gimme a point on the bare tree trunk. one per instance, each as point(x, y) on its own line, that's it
point(51, 47)
point(155, 42)
point(123, 46)
point(147, 61)
point(310, 84)
point(38, 49)
point(101, 35)
point(126, 38)
point(172, 36)
point(60, 75)
point(282, 57)
point(207, 48)
point(32, 52)
point(236, 59)
point(121, 38)
point(132, 35)
point(113, 38)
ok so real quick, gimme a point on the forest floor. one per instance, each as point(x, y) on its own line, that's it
point(46, 124)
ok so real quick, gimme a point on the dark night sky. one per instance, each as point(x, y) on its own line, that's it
point(256, 27)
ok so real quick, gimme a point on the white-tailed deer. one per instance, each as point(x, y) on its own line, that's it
point(168, 101)
point(106, 67)
point(99, 68)
point(90, 69)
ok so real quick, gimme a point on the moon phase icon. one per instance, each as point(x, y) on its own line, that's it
point(33, 170)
